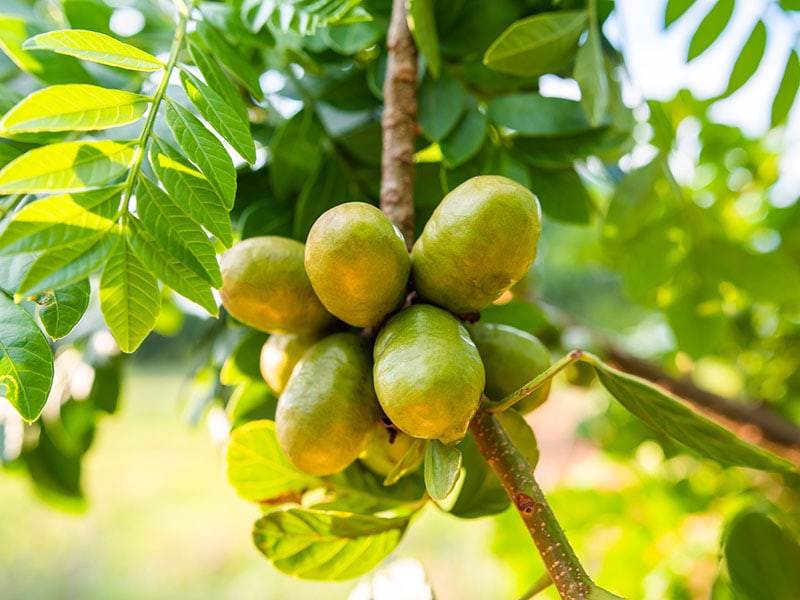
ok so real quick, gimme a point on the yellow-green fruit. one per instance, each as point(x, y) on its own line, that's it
point(265, 286)
point(328, 409)
point(385, 449)
point(428, 373)
point(358, 263)
point(279, 355)
point(511, 358)
point(479, 241)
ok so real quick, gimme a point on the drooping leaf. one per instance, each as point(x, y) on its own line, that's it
point(94, 47)
point(534, 115)
point(466, 139)
point(295, 154)
point(675, 9)
point(668, 416)
point(561, 194)
point(710, 28)
point(222, 117)
point(422, 23)
point(237, 65)
point(533, 46)
point(204, 150)
point(787, 91)
point(66, 167)
point(441, 104)
point(129, 297)
point(26, 362)
point(442, 469)
point(409, 462)
point(590, 73)
point(749, 58)
point(191, 190)
point(61, 309)
point(258, 469)
point(481, 493)
point(176, 231)
point(328, 545)
point(74, 107)
point(218, 81)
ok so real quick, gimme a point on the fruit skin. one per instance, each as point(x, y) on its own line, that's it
point(428, 373)
point(279, 355)
point(328, 409)
point(266, 287)
point(479, 241)
point(357, 263)
point(385, 448)
point(511, 358)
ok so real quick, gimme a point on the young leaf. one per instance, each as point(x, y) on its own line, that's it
point(442, 469)
point(675, 9)
point(590, 73)
point(218, 47)
point(258, 469)
point(169, 269)
point(191, 190)
point(176, 231)
point(533, 46)
point(61, 309)
point(710, 28)
point(218, 81)
point(534, 115)
point(66, 167)
point(222, 117)
point(670, 417)
point(749, 58)
point(466, 140)
point(481, 493)
point(94, 47)
point(129, 297)
point(441, 104)
point(204, 150)
point(408, 462)
point(26, 362)
point(60, 220)
point(329, 545)
point(74, 107)
point(787, 91)
point(422, 23)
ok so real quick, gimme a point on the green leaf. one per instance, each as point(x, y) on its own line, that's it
point(590, 73)
point(790, 4)
point(60, 220)
point(466, 140)
point(26, 362)
point(329, 545)
point(239, 66)
point(328, 187)
point(441, 104)
point(481, 492)
point(351, 38)
point(176, 231)
point(562, 194)
point(771, 276)
point(74, 107)
point(749, 58)
point(204, 150)
point(295, 153)
point(258, 469)
point(668, 416)
point(561, 151)
point(191, 190)
point(533, 46)
point(442, 469)
point(94, 47)
point(409, 462)
point(66, 167)
point(710, 28)
point(250, 401)
point(534, 115)
point(787, 91)
point(675, 9)
point(521, 434)
point(222, 117)
point(169, 269)
point(61, 309)
point(762, 559)
point(129, 297)
point(422, 23)
point(244, 362)
point(218, 81)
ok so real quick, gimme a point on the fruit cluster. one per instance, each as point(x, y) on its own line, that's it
point(344, 395)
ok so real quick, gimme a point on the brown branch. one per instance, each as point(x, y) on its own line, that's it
point(399, 124)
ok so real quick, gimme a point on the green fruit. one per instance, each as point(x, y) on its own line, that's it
point(428, 373)
point(357, 263)
point(279, 355)
point(479, 241)
point(385, 449)
point(511, 358)
point(328, 409)
point(266, 287)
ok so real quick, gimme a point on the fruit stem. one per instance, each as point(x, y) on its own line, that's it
point(399, 124)
point(516, 474)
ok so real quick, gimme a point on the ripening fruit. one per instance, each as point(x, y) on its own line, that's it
point(328, 410)
point(266, 287)
point(479, 241)
point(279, 355)
point(357, 263)
point(511, 358)
point(385, 449)
point(428, 373)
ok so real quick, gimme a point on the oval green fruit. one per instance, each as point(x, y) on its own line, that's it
point(279, 355)
point(328, 409)
point(385, 448)
point(479, 241)
point(511, 358)
point(266, 287)
point(428, 373)
point(358, 263)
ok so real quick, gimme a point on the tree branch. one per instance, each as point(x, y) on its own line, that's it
point(399, 124)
